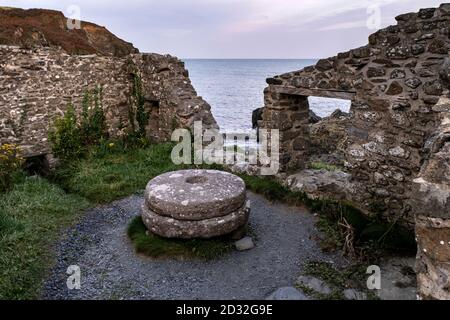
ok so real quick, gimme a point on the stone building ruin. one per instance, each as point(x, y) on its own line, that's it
point(44, 66)
point(395, 145)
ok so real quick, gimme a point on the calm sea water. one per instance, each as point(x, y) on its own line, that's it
point(234, 88)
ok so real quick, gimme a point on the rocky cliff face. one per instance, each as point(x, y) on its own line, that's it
point(37, 82)
point(45, 28)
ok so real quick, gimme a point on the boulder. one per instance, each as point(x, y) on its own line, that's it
point(256, 116)
point(313, 118)
point(314, 284)
point(352, 294)
point(287, 293)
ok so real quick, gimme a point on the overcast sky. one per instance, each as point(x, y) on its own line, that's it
point(238, 29)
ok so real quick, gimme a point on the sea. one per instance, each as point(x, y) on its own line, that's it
point(234, 88)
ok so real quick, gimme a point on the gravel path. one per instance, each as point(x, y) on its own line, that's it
point(111, 270)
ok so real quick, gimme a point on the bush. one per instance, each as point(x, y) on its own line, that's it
point(70, 138)
point(65, 137)
point(10, 162)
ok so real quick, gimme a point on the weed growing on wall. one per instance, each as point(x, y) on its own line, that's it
point(65, 136)
point(70, 137)
point(93, 122)
point(137, 115)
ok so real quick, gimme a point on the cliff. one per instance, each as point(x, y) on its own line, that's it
point(44, 28)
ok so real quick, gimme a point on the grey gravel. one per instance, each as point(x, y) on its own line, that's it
point(110, 269)
point(287, 293)
point(244, 244)
point(313, 283)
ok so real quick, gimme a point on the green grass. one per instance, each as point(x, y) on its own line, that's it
point(105, 177)
point(36, 210)
point(157, 247)
point(323, 166)
point(31, 217)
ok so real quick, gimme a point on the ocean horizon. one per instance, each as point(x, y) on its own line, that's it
point(234, 87)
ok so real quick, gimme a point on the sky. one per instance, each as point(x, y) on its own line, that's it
point(279, 29)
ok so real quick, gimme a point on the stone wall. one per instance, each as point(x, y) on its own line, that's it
point(396, 146)
point(393, 83)
point(37, 84)
point(432, 206)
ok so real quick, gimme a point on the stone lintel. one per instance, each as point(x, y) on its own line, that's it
point(338, 94)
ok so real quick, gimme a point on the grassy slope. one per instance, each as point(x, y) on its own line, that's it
point(110, 176)
point(31, 218)
point(34, 213)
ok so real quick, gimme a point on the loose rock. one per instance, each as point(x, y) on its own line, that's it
point(287, 293)
point(314, 284)
point(244, 244)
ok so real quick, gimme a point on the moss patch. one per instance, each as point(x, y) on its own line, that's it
point(157, 247)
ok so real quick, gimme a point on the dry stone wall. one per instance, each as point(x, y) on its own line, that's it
point(36, 85)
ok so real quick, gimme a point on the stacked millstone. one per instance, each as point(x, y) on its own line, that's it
point(191, 204)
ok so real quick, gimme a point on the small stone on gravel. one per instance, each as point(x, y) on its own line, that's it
point(314, 284)
point(245, 244)
point(287, 293)
point(352, 294)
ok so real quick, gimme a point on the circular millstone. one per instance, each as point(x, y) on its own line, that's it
point(195, 194)
point(208, 228)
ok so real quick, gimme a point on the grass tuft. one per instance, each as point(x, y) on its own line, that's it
point(158, 247)
point(323, 166)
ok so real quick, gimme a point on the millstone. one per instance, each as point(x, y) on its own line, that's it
point(195, 204)
point(190, 229)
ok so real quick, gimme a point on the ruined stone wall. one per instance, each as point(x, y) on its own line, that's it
point(394, 83)
point(432, 207)
point(36, 85)
point(397, 142)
